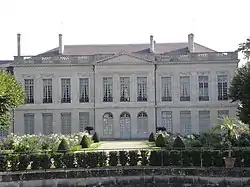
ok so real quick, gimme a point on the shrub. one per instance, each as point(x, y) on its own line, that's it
point(102, 159)
point(85, 143)
point(58, 160)
point(92, 158)
point(24, 161)
point(69, 160)
point(123, 157)
point(163, 129)
point(195, 143)
point(155, 158)
point(151, 137)
point(175, 158)
point(113, 158)
point(160, 141)
point(95, 138)
point(144, 158)
point(89, 129)
point(81, 159)
point(63, 146)
point(76, 148)
point(3, 162)
point(133, 158)
point(178, 143)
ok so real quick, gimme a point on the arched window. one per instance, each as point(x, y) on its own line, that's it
point(125, 125)
point(107, 124)
point(142, 123)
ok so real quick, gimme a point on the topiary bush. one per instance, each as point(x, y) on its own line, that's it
point(163, 129)
point(89, 129)
point(160, 141)
point(113, 158)
point(123, 157)
point(178, 143)
point(95, 138)
point(63, 146)
point(151, 137)
point(85, 142)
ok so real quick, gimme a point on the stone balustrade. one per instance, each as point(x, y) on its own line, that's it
point(87, 59)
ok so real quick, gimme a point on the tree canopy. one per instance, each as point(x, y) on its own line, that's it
point(239, 90)
point(11, 96)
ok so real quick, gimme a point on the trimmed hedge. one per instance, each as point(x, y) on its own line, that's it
point(66, 160)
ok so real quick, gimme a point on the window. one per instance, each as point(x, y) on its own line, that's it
point(124, 89)
point(166, 120)
point(142, 89)
point(204, 121)
point(29, 123)
point(107, 124)
point(47, 123)
point(221, 115)
point(84, 90)
point(66, 91)
point(166, 89)
point(47, 90)
point(66, 123)
point(107, 89)
point(185, 122)
point(83, 120)
point(29, 90)
point(203, 88)
point(184, 88)
point(142, 123)
point(222, 87)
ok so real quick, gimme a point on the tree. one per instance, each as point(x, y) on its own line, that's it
point(239, 90)
point(11, 96)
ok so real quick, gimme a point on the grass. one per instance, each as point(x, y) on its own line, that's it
point(152, 145)
point(93, 146)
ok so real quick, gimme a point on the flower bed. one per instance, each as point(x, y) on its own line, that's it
point(67, 160)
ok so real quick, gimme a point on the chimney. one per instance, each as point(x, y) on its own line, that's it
point(191, 43)
point(18, 44)
point(60, 44)
point(152, 44)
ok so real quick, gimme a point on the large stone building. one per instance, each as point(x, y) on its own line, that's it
point(124, 90)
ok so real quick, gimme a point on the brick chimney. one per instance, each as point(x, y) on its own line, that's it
point(18, 44)
point(152, 44)
point(191, 43)
point(60, 44)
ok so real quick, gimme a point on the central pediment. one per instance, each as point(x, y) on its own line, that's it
point(124, 58)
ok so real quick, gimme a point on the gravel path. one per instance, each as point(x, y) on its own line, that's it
point(117, 145)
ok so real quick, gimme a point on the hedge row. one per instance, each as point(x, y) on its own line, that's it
point(185, 158)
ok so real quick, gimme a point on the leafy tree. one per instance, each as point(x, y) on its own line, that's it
point(239, 90)
point(11, 96)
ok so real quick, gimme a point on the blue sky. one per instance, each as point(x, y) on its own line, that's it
point(218, 24)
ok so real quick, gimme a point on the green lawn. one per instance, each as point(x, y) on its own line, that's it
point(151, 145)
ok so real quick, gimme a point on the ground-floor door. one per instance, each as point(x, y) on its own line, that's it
point(125, 126)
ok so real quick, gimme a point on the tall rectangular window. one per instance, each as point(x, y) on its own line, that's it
point(222, 87)
point(65, 91)
point(83, 120)
point(204, 121)
point(184, 88)
point(47, 90)
point(66, 123)
point(142, 89)
point(203, 88)
point(124, 89)
point(84, 90)
point(107, 89)
point(166, 120)
point(221, 115)
point(29, 123)
point(185, 122)
point(29, 91)
point(47, 123)
point(166, 94)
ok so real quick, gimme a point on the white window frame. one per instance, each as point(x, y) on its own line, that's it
point(108, 123)
point(47, 91)
point(47, 119)
point(65, 90)
point(166, 88)
point(185, 86)
point(142, 123)
point(124, 89)
point(107, 89)
point(29, 91)
point(66, 121)
point(142, 95)
point(186, 122)
point(84, 90)
point(167, 120)
point(204, 123)
point(222, 87)
point(29, 123)
point(203, 87)
point(83, 120)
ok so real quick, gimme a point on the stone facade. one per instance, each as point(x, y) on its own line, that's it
point(149, 65)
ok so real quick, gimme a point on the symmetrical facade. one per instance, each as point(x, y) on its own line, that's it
point(124, 91)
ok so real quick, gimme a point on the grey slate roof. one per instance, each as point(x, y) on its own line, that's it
point(160, 48)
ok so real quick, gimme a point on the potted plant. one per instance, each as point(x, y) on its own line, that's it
point(230, 129)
